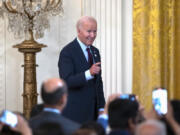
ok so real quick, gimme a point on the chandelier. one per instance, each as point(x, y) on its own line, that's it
point(29, 15)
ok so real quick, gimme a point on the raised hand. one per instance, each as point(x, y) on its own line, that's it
point(95, 68)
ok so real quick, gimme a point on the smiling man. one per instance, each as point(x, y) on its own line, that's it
point(79, 65)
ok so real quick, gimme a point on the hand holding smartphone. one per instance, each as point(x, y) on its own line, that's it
point(8, 118)
point(159, 99)
point(131, 97)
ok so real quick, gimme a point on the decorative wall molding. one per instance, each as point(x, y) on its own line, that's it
point(2, 65)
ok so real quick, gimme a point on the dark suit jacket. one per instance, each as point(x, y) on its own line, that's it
point(67, 125)
point(85, 97)
point(36, 110)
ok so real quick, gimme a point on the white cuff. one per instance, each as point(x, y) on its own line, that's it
point(103, 116)
point(88, 75)
point(101, 109)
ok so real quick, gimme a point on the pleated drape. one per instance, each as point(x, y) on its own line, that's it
point(156, 48)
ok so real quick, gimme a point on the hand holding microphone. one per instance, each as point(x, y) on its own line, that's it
point(95, 68)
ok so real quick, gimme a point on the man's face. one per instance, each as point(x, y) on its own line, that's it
point(87, 32)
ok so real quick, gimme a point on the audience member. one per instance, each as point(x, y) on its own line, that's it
point(54, 95)
point(36, 110)
point(22, 127)
point(96, 127)
point(122, 115)
point(171, 121)
point(103, 118)
point(172, 126)
point(84, 132)
point(151, 127)
point(49, 128)
point(176, 109)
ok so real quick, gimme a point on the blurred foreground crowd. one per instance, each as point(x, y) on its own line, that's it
point(121, 116)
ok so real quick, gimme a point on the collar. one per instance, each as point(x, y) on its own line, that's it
point(46, 109)
point(82, 45)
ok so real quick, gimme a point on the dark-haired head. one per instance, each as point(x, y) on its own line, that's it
point(121, 112)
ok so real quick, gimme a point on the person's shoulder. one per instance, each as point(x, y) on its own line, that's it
point(42, 117)
point(36, 117)
point(72, 126)
point(34, 121)
point(94, 48)
point(36, 110)
point(70, 45)
point(68, 121)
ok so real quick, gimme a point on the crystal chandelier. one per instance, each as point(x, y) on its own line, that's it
point(26, 16)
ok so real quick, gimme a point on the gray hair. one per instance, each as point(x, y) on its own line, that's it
point(83, 19)
point(157, 124)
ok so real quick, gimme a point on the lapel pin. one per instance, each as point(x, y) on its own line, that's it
point(95, 55)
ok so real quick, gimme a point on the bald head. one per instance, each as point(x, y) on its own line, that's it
point(52, 90)
point(52, 84)
point(83, 20)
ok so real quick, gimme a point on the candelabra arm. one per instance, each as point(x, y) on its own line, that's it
point(52, 2)
point(9, 7)
point(58, 3)
point(25, 11)
point(47, 3)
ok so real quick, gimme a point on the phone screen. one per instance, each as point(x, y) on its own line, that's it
point(8, 118)
point(159, 98)
point(131, 97)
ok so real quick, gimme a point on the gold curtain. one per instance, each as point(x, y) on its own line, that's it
point(156, 48)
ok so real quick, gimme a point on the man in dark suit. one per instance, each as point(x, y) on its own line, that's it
point(54, 95)
point(79, 65)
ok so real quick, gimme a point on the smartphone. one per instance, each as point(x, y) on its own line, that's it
point(131, 97)
point(159, 99)
point(8, 118)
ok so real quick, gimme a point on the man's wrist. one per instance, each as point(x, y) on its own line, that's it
point(88, 75)
point(103, 116)
point(101, 109)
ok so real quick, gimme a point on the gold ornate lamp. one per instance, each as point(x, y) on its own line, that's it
point(29, 18)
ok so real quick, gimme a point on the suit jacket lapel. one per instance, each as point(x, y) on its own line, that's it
point(96, 57)
point(80, 54)
point(95, 54)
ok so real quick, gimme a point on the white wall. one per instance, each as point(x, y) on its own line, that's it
point(114, 41)
point(11, 71)
point(62, 31)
